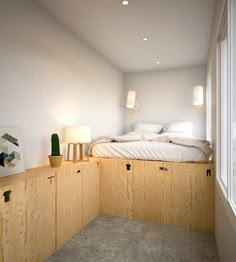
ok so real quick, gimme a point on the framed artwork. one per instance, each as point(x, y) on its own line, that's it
point(11, 153)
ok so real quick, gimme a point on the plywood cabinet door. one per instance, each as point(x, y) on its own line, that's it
point(69, 202)
point(152, 191)
point(140, 174)
point(202, 184)
point(122, 189)
point(175, 193)
point(40, 229)
point(12, 223)
point(107, 170)
point(166, 189)
point(117, 187)
point(181, 195)
point(91, 191)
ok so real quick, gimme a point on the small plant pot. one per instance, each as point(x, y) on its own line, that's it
point(55, 161)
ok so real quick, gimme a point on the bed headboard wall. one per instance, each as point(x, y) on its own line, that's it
point(166, 96)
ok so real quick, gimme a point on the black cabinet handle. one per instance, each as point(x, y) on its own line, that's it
point(78, 171)
point(50, 179)
point(163, 168)
point(6, 195)
point(128, 166)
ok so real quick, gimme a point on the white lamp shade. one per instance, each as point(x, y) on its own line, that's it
point(131, 99)
point(77, 134)
point(198, 95)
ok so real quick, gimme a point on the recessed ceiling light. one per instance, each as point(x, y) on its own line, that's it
point(125, 2)
point(145, 38)
point(157, 62)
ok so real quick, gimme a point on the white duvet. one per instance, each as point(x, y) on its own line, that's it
point(151, 146)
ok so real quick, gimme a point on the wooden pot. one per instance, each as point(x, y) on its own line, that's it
point(55, 161)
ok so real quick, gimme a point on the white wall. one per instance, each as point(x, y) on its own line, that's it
point(166, 96)
point(225, 226)
point(49, 79)
point(225, 220)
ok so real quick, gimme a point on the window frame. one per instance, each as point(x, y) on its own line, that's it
point(222, 107)
point(227, 21)
point(232, 77)
point(209, 104)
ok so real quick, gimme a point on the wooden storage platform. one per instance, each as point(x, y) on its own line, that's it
point(46, 207)
point(180, 194)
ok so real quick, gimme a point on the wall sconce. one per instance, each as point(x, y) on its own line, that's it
point(77, 135)
point(132, 103)
point(198, 97)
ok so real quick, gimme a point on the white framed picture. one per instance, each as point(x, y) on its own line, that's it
point(11, 153)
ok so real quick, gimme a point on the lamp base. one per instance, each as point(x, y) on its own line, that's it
point(81, 159)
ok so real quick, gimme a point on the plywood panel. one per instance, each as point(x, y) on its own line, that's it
point(202, 197)
point(107, 168)
point(180, 195)
point(158, 185)
point(40, 217)
point(174, 193)
point(122, 189)
point(166, 193)
point(69, 202)
point(13, 223)
point(91, 191)
point(153, 192)
point(117, 187)
point(140, 173)
point(1, 254)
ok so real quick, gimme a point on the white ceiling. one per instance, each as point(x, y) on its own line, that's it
point(179, 30)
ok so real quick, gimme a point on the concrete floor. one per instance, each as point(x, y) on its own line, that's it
point(116, 239)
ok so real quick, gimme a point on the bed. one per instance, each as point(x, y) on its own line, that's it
point(170, 189)
point(161, 147)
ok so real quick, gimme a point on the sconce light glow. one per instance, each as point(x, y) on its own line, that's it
point(131, 99)
point(125, 2)
point(145, 38)
point(198, 96)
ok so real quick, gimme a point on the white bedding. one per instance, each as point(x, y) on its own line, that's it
point(158, 147)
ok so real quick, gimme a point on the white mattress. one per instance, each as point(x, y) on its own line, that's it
point(146, 150)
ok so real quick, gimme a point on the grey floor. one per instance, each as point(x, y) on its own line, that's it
point(109, 238)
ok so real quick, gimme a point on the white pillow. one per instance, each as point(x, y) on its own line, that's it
point(127, 138)
point(145, 135)
point(175, 134)
point(155, 128)
point(185, 128)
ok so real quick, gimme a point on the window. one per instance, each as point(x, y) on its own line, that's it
point(208, 106)
point(226, 104)
point(233, 152)
point(233, 104)
point(222, 47)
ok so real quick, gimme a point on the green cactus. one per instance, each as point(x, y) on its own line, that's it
point(55, 145)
